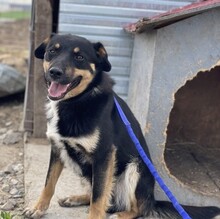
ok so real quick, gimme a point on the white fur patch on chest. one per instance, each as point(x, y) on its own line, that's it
point(52, 116)
point(86, 142)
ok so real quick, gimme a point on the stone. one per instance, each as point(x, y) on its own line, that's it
point(8, 169)
point(20, 154)
point(12, 137)
point(11, 81)
point(18, 168)
point(8, 123)
point(3, 130)
point(14, 181)
point(20, 186)
point(2, 174)
point(9, 205)
point(19, 195)
point(5, 188)
point(2, 137)
point(13, 191)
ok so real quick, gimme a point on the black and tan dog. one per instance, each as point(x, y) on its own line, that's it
point(85, 129)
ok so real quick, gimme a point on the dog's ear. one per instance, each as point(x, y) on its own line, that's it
point(102, 56)
point(40, 50)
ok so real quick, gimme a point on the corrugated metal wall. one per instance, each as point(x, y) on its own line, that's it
point(103, 21)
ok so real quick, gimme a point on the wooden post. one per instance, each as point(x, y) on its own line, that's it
point(29, 92)
point(43, 29)
point(44, 20)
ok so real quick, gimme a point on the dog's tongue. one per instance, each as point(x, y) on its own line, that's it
point(56, 89)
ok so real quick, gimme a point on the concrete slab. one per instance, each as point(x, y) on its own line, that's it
point(36, 159)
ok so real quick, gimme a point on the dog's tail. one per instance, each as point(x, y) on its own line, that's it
point(166, 210)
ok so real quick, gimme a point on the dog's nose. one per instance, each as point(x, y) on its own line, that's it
point(55, 72)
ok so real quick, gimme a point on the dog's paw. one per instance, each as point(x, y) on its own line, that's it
point(120, 216)
point(68, 202)
point(113, 216)
point(73, 201)
point(33, 213)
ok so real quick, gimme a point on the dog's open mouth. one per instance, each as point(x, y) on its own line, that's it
point(57, 91)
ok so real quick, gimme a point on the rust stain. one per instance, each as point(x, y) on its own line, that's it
point(147, 128)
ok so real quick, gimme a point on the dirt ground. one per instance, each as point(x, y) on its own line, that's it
point(14, 41)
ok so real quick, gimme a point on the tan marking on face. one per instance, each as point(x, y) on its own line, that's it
point(92, 66)
point(46, 65)
point(57, 45)
point(69, 71)
point(48, 191)
point(98, 209)
point(87, 77)
point(75, 50)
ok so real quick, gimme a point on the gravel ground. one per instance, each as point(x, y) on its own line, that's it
point(11, 162)
point(13, 52)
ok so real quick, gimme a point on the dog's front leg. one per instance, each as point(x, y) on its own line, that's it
point(102, 185)
point(54, 171)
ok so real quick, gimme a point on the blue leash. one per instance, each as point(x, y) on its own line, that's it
point(149, 164)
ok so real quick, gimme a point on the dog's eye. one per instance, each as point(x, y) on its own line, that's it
point(79, 58)
point(51, 51)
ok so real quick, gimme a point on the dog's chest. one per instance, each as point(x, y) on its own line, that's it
point(84, 144)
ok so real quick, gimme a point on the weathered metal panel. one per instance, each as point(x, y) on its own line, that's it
point(103, 21)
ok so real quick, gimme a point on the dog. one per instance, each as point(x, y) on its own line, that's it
point(84, 128)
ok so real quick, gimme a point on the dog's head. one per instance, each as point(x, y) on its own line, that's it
point(70, 64)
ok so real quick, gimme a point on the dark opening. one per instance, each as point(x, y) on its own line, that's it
point(55, 6)
point(192, 151)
